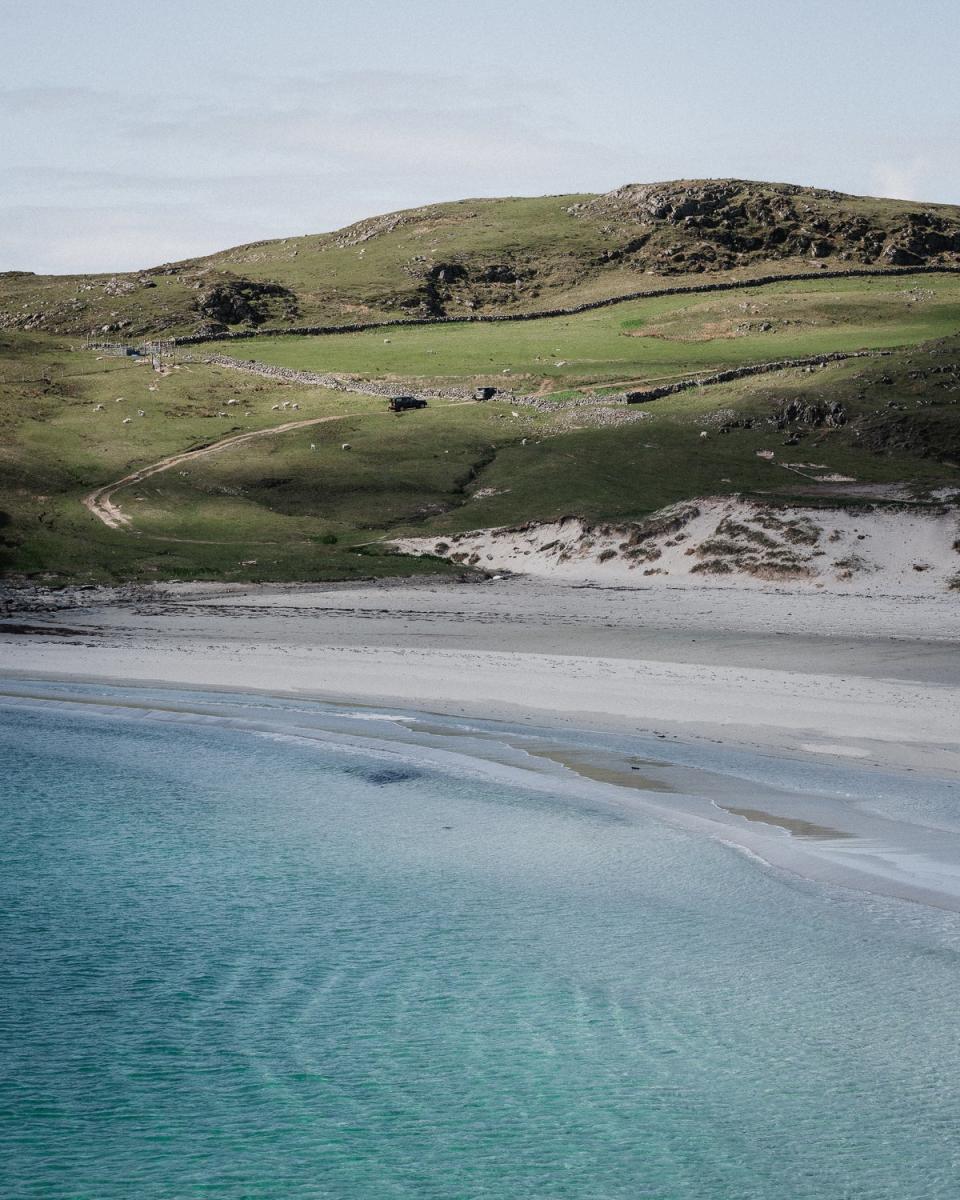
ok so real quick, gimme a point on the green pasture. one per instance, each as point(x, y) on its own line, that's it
point(659, 338)
point(297, 505)
point(451, 468)
point(56, 447)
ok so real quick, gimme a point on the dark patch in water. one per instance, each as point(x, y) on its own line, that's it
point(391, 775)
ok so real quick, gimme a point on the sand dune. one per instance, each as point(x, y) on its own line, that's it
point(727, 542)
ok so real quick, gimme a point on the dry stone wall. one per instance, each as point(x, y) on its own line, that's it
point(691, 289)
point(784, 364)
point(367, 387)
point(336, 383)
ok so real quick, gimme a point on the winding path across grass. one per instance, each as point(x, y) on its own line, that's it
point(100, 501)
point(101, 504)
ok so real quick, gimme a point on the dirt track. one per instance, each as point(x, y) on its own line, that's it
point(100, 501)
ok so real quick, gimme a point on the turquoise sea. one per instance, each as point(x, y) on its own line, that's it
point(240, 965)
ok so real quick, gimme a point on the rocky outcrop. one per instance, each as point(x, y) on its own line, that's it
point(814, 413)
point(706, 225)
point(466, 285)
point(246, 301)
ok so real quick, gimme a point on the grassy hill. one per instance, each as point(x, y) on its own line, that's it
point(295, 505)
point(481, 256)
point(637, 342)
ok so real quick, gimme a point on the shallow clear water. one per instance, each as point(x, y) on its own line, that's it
point(239, 966)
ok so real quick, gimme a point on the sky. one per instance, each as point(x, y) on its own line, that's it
point(138, 133)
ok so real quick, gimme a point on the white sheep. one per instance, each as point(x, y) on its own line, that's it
point(346, 446)
point(127, 420)
point(703, 433)
point(141, 413)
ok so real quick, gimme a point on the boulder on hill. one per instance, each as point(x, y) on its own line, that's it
point(245, 301)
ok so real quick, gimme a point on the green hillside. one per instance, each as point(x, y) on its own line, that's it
point(483, 256)
point(295, 504)
point(636, 342)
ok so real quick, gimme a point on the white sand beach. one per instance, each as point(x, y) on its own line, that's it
point(832, 676)
point(806, 685)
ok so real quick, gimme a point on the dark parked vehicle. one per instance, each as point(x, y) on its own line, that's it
point(484, 393)
point(402, 403)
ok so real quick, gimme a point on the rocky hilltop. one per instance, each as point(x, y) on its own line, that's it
point(721, 224)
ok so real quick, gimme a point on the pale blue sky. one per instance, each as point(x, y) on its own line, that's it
point(141, 132)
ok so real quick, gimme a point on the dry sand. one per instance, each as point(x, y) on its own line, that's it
point(831, 676)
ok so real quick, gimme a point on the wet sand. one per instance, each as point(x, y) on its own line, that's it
point(828, 677)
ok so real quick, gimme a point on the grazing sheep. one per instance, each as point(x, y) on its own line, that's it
point(703, 433)
point(98, 408)
point(141, 413)
point(276, 407)
point(127, 420)
point(296, 406)
point(313, 445)
point(346, 446)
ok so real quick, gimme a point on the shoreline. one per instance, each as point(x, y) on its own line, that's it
point(816, 734)
point(818, 676)
point(781, 829)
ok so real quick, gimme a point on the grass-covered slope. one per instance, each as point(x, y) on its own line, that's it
point(482, 256)
point(296, 505)
point(637, 342)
